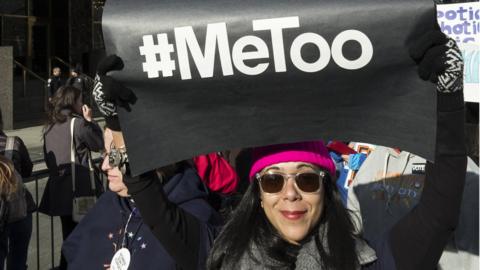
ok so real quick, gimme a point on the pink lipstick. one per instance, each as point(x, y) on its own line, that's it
point(293, 215)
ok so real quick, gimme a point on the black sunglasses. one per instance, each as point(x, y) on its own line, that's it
point(274, 182)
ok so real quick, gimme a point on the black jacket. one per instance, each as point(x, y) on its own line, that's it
point(22, 163)
point(54, 83)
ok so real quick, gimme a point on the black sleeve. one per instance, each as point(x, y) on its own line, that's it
point(58, 83)
point(177, 230)
point(90, 134)
point(26, 162)
point(417, 240)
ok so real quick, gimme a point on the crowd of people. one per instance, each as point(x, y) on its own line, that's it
point(302, 205)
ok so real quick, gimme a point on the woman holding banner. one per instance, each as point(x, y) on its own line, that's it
point(115, 226)
point(292, 217)
point(181, 216)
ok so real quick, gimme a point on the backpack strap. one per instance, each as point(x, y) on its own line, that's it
point(91, 171)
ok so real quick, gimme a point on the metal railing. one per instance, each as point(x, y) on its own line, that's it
point(26, 70)
point(36, 177)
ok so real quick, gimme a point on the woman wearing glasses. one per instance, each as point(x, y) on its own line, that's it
point(291, 209)
point(115, 235)
point(292, 216)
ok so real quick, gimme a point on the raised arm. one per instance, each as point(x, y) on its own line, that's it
point(181, 233)
point(178, 231)
point(417, 240)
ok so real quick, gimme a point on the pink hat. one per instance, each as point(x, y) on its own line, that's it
point(313, 152)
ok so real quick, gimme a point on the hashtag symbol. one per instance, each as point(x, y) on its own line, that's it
point(151, 50)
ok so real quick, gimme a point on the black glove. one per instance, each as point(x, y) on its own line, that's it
point(109, 93)
point(439, 60)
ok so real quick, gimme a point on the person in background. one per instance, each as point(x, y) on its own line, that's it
point(219, 177)
point(57, 199)
point(80, 81)
point(14, 243)
point(389, 185)
point(116, 223)
point(8, 188)
point(54, 82)
point(347, 163)
point(75, 79)
point(21, 157)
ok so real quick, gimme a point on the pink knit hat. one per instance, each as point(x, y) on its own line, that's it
point(313, 152)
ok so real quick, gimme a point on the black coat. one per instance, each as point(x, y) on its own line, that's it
point(58, 195)
point(54, 83)
point(22, 163)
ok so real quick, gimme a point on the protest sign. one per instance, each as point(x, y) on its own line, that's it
point(214, 75)
point(462, 22)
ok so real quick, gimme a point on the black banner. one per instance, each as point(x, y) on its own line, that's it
point(212, 75)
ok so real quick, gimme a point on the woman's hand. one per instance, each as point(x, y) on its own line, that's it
point(109, 93)
point(439, 60)
point(87, 113)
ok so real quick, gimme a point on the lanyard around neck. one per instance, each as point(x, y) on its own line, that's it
point(125, 230)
